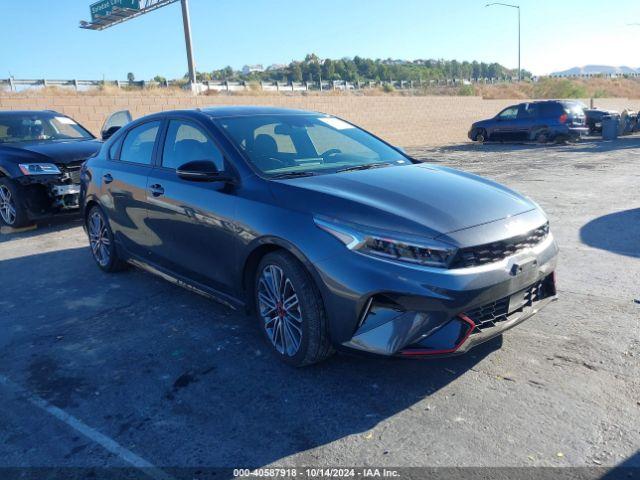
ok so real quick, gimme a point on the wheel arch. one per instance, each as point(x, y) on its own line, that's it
point(88, 204)
point(258, 250)
point(537, 129)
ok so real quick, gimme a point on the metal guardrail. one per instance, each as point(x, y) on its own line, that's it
point(596, 75)
point(17, 85)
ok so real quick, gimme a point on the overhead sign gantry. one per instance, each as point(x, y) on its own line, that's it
point(108, 13)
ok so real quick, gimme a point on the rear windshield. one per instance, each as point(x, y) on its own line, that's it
point(574, 108)
point(551, 109)
point(40, 127)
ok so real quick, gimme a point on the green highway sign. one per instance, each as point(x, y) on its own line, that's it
point(105, 7)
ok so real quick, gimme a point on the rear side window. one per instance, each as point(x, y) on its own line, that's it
point(138, 144)
point(113, 150)
point(528, 111)
point(186, 142)
point(551, 109)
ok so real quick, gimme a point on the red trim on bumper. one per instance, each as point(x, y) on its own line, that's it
point(423, 352)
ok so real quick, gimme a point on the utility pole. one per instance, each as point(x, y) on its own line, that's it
point(518, 7)
point(187, 39)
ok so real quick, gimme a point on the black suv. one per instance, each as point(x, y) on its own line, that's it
point(543, 121)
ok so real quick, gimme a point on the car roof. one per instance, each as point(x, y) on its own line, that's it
point(21, 113)
point(225, 112)
point(252, 110)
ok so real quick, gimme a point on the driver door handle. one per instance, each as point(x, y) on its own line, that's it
point(107, 178)
point(156, 190)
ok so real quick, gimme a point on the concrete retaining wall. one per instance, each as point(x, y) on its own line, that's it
point(404, 121)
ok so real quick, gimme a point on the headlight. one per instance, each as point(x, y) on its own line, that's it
point(39, 169)
point(428, 252)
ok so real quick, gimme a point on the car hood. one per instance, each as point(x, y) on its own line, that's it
point(483, 123)
point(60, 151)
point(422, 200)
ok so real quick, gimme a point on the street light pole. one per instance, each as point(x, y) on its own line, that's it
point(187, 38)
point(518, 7)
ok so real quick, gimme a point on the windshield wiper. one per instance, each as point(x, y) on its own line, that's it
point(304, 173)
point(366, 166)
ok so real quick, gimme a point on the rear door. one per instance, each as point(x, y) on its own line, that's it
point(124, 182)
point(528, 116)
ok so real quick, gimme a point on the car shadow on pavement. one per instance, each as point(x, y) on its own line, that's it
point(591, 144)
point(58, 223)
point(617, 232)
point(192, 383)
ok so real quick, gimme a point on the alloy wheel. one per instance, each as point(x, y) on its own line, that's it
point(7, 206)
point(279, 308)
point(99, 239)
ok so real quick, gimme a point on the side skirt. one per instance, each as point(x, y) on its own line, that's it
point(190, 285)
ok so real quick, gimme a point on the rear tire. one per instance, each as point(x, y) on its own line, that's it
point(543, 137)
point(290, 311)
point(12, 212)
point(103, 247)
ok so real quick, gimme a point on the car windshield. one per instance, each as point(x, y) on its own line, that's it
point(296, 145)
point(39, 127)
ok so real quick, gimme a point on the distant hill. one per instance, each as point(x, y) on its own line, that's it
point(596, 70)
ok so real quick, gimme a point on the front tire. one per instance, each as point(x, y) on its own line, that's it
point(103, 248)
point(12, 213)
point(290, 310)
point(481, 135)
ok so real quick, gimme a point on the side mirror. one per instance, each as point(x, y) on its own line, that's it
point(108, 133)
point(202, 171)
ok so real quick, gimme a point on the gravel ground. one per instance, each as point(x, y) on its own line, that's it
point(179, 381)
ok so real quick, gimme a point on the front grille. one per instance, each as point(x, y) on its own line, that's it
point(496, 251)
point(71, 172)
point(492, 314)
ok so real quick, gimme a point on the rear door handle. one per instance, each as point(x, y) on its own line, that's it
point(156, 190)
point(107, 178)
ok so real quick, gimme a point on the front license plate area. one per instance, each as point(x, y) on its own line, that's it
point(517, 301)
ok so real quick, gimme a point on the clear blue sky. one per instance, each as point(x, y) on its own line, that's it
point(41, 38)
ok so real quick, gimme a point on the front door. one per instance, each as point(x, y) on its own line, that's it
point(192, 220)
point(505, 126)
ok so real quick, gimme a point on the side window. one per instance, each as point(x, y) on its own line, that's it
point(113, 150)
point(508, 113)
point(186, 142)
point(551, 109)
point(528, 111)
point(138, 144)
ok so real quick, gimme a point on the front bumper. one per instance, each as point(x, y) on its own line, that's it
point(383, 308)
point(43, 195)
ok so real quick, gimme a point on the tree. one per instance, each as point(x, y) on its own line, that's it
point(131, 77)
point(295, 72)
point(328, 70)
